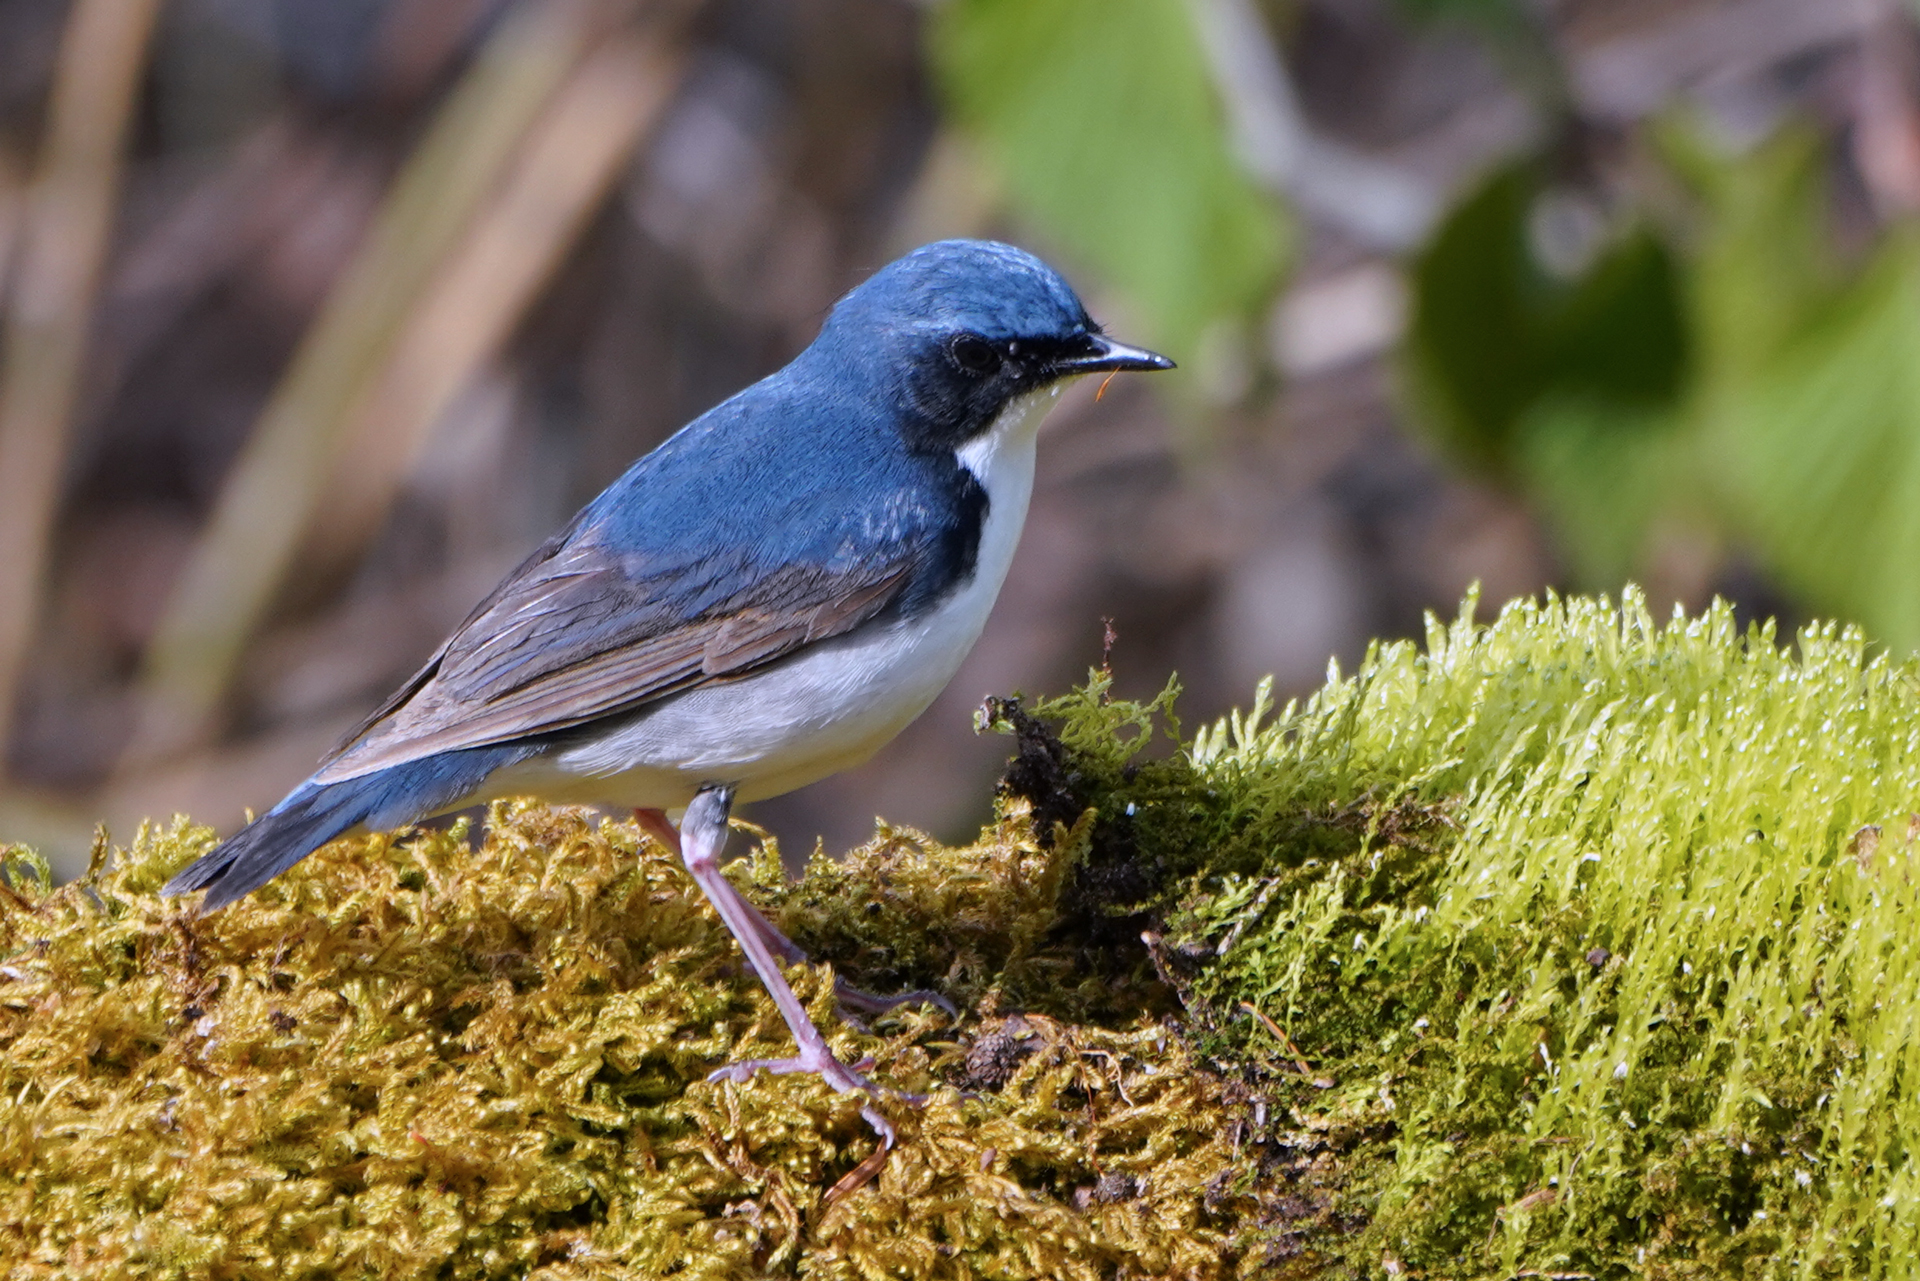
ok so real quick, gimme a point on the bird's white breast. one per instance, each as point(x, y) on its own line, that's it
point(825, 709)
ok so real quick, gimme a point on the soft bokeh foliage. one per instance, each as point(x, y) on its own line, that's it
point(1727, 379)
point(1495, 337)
point(1103, 117)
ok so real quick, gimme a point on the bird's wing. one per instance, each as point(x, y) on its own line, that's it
point(576, 634)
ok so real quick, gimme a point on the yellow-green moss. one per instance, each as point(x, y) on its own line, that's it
point(1609, 931)
point(412, 1059)
point(1566, 945)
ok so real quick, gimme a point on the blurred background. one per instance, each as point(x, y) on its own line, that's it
point(316, 317)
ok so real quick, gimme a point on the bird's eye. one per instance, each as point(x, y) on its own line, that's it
point(974, 354)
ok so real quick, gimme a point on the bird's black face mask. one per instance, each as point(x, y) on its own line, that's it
point(967, 379)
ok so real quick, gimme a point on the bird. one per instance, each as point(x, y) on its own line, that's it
point(766, 598)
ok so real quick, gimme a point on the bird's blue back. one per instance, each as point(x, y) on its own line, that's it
point(790, 472)
point(818, 464)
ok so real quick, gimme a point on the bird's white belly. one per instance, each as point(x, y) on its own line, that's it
point(825, 709)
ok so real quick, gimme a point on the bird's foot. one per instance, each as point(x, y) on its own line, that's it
point(844, 1079)
point(703, 833)
point(850, 998)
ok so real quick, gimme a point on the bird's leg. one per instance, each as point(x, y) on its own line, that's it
point(703, 833)
point(654, 823)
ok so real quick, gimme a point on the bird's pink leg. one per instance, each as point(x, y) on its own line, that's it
point(654, 823)
point(703, 833)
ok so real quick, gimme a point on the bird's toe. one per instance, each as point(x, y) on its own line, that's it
point(859, 1001)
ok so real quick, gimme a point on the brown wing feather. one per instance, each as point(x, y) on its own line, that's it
point(414, 683)
point(573, 636)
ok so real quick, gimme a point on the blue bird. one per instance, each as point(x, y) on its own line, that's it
point(765, 599)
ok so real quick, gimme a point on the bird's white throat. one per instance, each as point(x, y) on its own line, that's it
point(1001, 458)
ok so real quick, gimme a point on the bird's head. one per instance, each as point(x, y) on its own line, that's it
point(958, 329)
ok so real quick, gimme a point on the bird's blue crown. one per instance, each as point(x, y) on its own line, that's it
point(982, 286)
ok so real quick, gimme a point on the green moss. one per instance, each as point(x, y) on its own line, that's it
point(1605, 929)
point(1570, 944)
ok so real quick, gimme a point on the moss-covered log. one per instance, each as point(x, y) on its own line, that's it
point(1566, 945)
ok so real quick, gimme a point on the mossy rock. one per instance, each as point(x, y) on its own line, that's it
point(1567, 945)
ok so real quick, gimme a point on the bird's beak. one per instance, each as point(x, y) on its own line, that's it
point(1102, 354)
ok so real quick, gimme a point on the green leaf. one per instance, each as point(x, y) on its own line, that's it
point(1809, 396)
point(1493, 335)
point(1101, 118)
point(1763, 263)
point(1822, 452)
point(1796, 432)
point(1603, 477)
point(1474, 342)
point(1621, 335)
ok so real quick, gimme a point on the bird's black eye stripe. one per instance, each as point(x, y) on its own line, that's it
point(974, 354)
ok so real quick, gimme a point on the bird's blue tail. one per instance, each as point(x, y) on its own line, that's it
point(313, 814)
